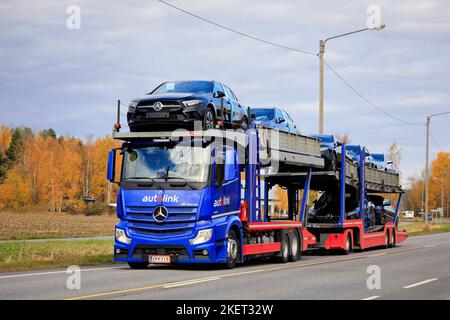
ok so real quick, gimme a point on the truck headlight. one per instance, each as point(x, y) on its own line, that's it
point(191, 103)
point(121, 236)
point(202, 236)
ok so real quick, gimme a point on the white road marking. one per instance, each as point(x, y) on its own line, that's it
point(429, 246)
point(186, 283)
point(53, 272)
point(371, 298)
point(419, 283)
point(376, 255)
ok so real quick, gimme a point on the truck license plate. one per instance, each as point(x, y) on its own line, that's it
point(159, 259)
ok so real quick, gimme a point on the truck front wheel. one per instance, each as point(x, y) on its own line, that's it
point(232, 249)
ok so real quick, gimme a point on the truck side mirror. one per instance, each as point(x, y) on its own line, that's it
point(280, 120)
point(111, 165)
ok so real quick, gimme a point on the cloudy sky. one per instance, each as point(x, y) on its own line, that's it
point(69, 79)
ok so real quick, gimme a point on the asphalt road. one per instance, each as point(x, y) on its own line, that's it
point(417, 269)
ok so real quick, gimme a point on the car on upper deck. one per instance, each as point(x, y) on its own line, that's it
point(328, 149)
point(354, 151)
point(181, 104)
point(274, 118)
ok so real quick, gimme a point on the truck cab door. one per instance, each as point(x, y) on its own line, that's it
point(227, 193)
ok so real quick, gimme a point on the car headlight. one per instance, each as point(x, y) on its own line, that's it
point(191, 103)
point(202, 236)
point(121, 236)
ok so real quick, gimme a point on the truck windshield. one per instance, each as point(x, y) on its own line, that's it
point(167, 162)
point(185, 87)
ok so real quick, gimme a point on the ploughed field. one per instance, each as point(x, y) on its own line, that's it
point(40, 225)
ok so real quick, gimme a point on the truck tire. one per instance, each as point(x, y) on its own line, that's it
point(285, 248)
point(138, 265)
point(209, 120)
point(295, 248)
point(348, 245)
point(232, 249)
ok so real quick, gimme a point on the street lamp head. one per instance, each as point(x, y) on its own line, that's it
point(380, 27)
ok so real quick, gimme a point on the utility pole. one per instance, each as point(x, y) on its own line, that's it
point(427, 124)
point(321, 53)
point(426, 169)
point(321, 58)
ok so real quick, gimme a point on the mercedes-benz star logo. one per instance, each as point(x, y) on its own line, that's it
point(158, 106)
point(160, 214)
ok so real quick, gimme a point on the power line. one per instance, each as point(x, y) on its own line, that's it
point(295, 50)
point(435, 142)
point(236, 31)
point(369, 101)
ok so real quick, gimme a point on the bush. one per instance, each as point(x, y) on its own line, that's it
point(95, 209)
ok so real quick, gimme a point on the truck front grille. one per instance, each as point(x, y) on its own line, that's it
point(180, 222)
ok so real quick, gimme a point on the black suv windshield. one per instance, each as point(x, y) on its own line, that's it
point(166, 162)
point(185, 87)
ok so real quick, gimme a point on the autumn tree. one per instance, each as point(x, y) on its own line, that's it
point(43, 170)
point(394, 154)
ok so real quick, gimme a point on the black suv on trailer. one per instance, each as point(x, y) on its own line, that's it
point(179, 104)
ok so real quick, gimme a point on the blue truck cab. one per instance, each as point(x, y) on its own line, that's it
point(178, 201)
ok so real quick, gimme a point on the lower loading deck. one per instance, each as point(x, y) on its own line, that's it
point(261, 248)
point(326, 236)
point(331, 237)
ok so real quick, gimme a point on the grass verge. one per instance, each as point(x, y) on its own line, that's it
point(19, 256)
point(419, 228)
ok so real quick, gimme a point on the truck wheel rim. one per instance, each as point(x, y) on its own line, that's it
point(231, 249)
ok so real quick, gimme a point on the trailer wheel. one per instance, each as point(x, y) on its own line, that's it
point(232, 249)
point(393, 243)
point(138, 265)
point(386, 245)
point(348, 244)
point(295, 247)
point(285, 248)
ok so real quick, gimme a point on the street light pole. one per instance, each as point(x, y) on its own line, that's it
point(426, 170)
point(321, 58)
point(321, 53)
point(427, 148)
